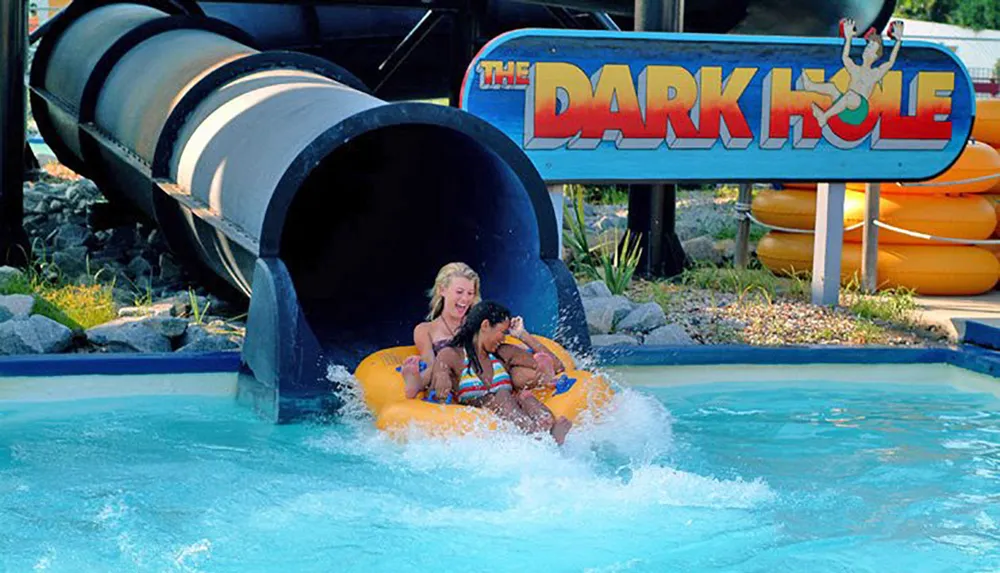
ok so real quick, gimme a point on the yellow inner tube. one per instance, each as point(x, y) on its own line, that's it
point(971, 217)
point(927, 269)
point(382, 386)
point(987, 125)
point(969, 174)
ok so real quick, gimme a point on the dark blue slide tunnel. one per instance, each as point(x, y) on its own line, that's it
point(278, 175)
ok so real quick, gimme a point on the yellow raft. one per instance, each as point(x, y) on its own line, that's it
point(927, 269)
point(970, 217)
point(972, 173)
point(382, 385)
point(987, 125)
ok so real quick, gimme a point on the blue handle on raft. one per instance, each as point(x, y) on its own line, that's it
point(423, 366)
point(564, 384)
point(430, 398)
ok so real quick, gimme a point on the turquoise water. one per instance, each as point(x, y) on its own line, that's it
point(723, 477)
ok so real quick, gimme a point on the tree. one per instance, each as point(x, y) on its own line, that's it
point(930, 10)
point(977, 14)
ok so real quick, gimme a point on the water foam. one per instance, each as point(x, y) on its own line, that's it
point(616, 463)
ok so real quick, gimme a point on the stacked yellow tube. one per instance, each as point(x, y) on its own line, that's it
point(961, 203)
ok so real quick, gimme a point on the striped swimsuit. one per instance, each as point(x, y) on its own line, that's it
point(470, 387)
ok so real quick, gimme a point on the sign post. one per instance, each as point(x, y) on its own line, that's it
point(652, 209)
point(646, 108)
point(14, 247)
point(828, 243)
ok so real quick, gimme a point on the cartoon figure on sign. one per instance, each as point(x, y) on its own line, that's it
point(852, 106)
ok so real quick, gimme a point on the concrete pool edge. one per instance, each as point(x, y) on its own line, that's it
point(18, 373)
point(973, 358)
point(38, 365)
point(984, 361)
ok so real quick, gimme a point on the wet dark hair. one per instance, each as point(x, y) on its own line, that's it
point(487, 310)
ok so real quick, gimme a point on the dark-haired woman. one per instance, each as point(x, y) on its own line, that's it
point(479, 369)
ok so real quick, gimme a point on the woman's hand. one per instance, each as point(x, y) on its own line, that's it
point(517, 328)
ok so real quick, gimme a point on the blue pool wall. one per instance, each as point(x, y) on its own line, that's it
point(974, 358)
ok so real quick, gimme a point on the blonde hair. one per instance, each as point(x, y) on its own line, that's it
point(444, 276)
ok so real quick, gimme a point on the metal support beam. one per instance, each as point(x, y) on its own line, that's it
point(742, 255)
point(464, 38)
point(605, 21)
point(413, 39)
point(14, 247)
point(869, 241)
point(828, 243)
point(652, 208)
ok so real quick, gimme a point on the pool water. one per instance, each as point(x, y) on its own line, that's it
point(729, 476)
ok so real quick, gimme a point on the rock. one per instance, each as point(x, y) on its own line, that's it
point(129, 335)
point(724, 249)
point(10, 276)
point(139, 267)
point(5, 314)
point(197, 339)
point(614, 340)
point(170, 271)
point(168, 326)
point(644, 318)
point(82, 191)
point(72, 261)
point(34, 335)
point(700, 248)
point(603, 313)
point(160, 309)
point(182, 304)
point(595, 289)
point(671, 334)
point(610, 222)
point(18, 305)
point(71, 236)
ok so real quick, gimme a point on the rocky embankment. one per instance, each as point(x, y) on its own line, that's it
point(153, 305)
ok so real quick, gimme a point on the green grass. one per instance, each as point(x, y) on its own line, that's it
point(85, 305)
point(663, 293)
point(889, 305)
point(756, 233)
point(74, 306)
point(601, 194)
point(735, 281)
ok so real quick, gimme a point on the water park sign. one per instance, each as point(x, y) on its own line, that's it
point(634, 107)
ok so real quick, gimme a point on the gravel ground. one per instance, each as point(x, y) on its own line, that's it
point(716, 317)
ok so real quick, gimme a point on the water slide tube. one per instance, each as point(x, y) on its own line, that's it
point(277, 174)
point(928, 267)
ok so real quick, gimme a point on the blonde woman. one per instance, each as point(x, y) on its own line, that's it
point(456, 289)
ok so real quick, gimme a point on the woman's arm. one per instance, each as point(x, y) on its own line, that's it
point(444, 373)
point(425, 347)
point(518, 331)
point(521, 365)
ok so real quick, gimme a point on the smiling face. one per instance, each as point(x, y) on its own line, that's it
point(490, 336)
point(459, 294)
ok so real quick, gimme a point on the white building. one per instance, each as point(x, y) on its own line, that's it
point(979, 51)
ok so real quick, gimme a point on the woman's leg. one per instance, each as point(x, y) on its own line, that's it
point(531, 417)
point(412, 384)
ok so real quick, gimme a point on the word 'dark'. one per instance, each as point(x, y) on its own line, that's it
point(630, 107)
